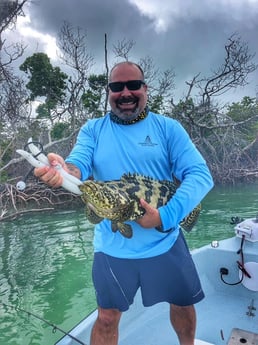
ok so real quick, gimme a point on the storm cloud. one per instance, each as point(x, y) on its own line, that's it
point(188, 36)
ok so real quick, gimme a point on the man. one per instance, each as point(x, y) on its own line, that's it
point(130, 138)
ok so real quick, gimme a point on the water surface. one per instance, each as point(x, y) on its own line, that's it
point(45, 264)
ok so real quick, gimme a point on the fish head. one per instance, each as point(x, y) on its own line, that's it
point(106, 199)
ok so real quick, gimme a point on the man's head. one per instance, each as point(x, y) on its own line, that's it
point(127, 90)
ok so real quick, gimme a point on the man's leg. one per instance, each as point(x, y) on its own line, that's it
point(105, 328)
point(183, 319)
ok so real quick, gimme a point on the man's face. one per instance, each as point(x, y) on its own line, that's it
point(127, 104)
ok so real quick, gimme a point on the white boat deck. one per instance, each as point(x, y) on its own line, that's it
point(224, 310)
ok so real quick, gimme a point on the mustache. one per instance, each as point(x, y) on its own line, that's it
point(129, 99)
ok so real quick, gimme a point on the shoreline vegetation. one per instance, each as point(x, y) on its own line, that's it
point(37, 197)
point(41, 101)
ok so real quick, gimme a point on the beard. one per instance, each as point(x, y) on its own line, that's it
point(127, 108)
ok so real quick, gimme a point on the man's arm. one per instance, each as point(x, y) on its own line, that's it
point(73, 170)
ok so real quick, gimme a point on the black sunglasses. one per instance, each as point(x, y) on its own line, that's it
point(132, 85)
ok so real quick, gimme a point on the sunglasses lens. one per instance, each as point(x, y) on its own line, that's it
point(134, 84)
point(131, 85)
point(116, 86)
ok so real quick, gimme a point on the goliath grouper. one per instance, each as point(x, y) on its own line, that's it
point(119, 200)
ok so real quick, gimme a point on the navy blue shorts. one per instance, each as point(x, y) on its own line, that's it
point(170, 277)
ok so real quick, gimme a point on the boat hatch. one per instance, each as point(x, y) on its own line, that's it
point(240, 337)
point(248, 228)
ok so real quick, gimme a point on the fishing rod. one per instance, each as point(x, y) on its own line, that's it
point(54, 327)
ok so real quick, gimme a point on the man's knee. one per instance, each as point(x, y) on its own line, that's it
point(108, 317)
point(183, 317)
point(188, 309)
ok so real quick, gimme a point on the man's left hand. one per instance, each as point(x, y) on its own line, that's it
point(151, 218)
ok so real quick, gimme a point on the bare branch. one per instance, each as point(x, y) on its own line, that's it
point(73, 53)
point(107, 73)
point(233, 72)
point(9, 10)
point(123, 48)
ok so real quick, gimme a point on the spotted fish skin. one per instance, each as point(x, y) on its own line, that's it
point(119, 200)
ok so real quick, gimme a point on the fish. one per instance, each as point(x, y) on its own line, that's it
point(119, 200)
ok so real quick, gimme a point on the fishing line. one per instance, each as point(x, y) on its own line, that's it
point(54, 327)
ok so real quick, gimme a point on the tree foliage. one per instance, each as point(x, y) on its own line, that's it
point(94, 96)
point(14, 111)
point(225, 135)
point(244, 113)
point(44, 81)
point(60, 130)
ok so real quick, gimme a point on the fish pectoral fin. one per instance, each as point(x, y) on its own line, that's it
point(114, 226)
point(123, 228)
point(92, 216)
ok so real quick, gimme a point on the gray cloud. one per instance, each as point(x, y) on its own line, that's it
point(191, 40)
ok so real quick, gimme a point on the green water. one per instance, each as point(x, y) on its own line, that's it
point(45, 264)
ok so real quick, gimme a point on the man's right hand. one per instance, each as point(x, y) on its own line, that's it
point(49, 174)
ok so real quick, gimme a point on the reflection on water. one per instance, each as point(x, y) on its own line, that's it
point(45, 268)
point(219, 206)
point(45, 264)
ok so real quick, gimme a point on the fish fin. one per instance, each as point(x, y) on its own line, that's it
point(92, 216)
point(190, 221)
point(114, 226)
point(123, 228)
point(126, 230)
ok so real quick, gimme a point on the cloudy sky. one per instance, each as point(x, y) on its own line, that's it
point(188, 36)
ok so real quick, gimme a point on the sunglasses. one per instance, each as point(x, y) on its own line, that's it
point(131, 85)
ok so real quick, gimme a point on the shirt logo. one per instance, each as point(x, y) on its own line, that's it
point(148, 142)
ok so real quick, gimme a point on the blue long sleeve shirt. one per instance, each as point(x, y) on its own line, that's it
point(156, 146)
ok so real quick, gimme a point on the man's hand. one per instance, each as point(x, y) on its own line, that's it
point(151, 218)
point(49, 174)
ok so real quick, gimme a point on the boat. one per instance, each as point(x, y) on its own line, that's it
point(228, 314)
